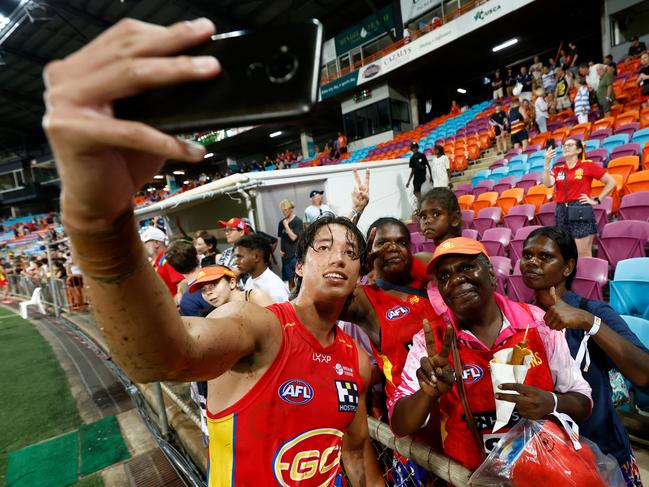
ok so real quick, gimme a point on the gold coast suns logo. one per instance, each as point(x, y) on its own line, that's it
point(314, 454)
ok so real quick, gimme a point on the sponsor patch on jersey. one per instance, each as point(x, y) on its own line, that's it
point(471, 373)
point(397, 312)
point(321, 357)
point(347, 396)
point(295, 391)
point(313, 456)
point(344, 370)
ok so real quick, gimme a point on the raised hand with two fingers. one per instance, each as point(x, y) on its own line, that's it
point(435, 374)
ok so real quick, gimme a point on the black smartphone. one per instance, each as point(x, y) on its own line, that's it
point(551, 144)
point(266, 75)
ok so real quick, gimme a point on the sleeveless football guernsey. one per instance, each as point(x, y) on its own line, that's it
point(288, 429)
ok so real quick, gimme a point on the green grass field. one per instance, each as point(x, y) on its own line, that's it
point(36, 401)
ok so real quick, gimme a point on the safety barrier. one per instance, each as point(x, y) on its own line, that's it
point(57, 294)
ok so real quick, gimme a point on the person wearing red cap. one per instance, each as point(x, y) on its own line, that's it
point(481, 322)
point(235, 229)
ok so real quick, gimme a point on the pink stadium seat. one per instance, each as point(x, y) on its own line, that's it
point(483, 187)
point(516, 288)
point(496, 241)
point(519, 216)
point(635, 206)
point(603, 212)
point(591, 277)
point(470, 233)
point(503, 268)
point(487, 218)
point(529, 180)
point(467, 218)
point(504, 184)
point(545, 216)
point(623, 239)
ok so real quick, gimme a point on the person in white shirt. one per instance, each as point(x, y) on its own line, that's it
point(317, 208)
point(441, 168)
point(252, 253)
point(541, 110)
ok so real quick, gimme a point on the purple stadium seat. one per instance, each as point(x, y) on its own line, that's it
point(632, 149)
point(511, 153)
point(529, 180)
point(628, 128)
point(507, 182)
point(516, 245)
point(599, 156)
point(498, 163)
point(635, 206)
point(483, 187)
point(503, 268)
point(623, 239)
point(531, 149)
point(470, 233)
point(545, 216)
point(591, 277)
point(467, 218)
point(602, 213)
point(427, 246)
point(487, 218)
point(413, 226)
point(496, 241)
point(516, 289)
point(416, 239)
point(601, 134)
point(519, 216)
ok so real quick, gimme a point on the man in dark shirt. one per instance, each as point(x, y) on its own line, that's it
point(288, 230)
point(183, 258)
point(637, 47)
point(525, 79)
point(418, 165)
point(510, 81)
point(498, 120)
point(573, 55)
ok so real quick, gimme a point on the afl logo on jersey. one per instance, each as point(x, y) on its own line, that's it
point(295, 391)
point(471, 373)
point(397, 312)
point(314, 456)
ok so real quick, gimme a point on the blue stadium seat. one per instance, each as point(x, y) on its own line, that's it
point(610, 143)
point(640, 327)
point(592, 144)
point(641, 137)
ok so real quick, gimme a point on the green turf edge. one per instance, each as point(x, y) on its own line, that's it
point(101, 445)
point(95, 480)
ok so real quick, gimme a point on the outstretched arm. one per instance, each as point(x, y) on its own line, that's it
point(131, 305)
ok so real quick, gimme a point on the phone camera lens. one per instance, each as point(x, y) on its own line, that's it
point(282, 66)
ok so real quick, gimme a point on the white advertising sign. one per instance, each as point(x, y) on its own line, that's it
point(411, 9)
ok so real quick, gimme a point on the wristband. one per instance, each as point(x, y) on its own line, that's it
point(556, 402)
point(583, 346)
point(597, 322)
point(596, 198)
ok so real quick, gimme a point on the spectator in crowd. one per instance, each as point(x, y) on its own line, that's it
point(541, 110)
point(510, 81)
point(253, 254)
point(536, 71)
point(499, 121)
point(552, 64)
point(573, 180)
point(582, 102)
point(418, 165)
point(206, 247)
point(582, 73)
point(289, 230)
point(235, 229)
point(317, 208)
point(573, 55)
point(440, 168)
point(605, 93)
point(608, 61)
point(497, 85)
point(183, 258)
point(562, 91)
point(548, 80)
point(340, 145)
point(155, 243)
point(455, 108)
point(406, 34)
point(636, 48)
point(517, 123)
point(481, 321)
point(529, 114)
point(643, 78)
point(525, 79)
point(4, 282)
point(593, 329)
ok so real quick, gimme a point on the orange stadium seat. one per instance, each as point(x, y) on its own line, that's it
point(624, 166)
point(638, 181)
point(596, 189)
point(541, 138)
point(625, 118)
point(560, 135)
point(485, 200)
point(644, 117)
point(617, 109)
point(473, 152)
point(510, 197)
point(466, 201)
point(603, 123)
point(538, 195)
point(485, 140)
point(582, 128)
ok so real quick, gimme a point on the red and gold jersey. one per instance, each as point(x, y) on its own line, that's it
point(288, 429)
point(400, 320)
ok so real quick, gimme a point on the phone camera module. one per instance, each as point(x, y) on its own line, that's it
point(282, 66)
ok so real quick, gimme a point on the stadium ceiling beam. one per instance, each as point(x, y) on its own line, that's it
point(27, 56)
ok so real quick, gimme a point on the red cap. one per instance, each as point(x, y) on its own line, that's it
point(456, 246)
point(237, 223)
point(210, 274)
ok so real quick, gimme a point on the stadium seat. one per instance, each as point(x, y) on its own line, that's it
point(509, 198)
point(416, 239)
point(483, 186)
point(540, 139)
point(630, 149)
point(34, 301)
point(480, 175)
point(603, 123)
point(560, 135)
point(466, 201)
point(623, 239)
point(613, 141)
point(528, 180)
point(516, 245)
point(470, 233)
point(504, 184)
point(602, 212)
point(498, 163)
point(591, 144)
point(519, 216)
point(580, 129)
point(641, 136)
point(427, 246)
point(487, 218)
point(599, 156)
point(485, 200)
point(601, 134)
point(498, 173)
point(467, 218)
point(496, 240)
point(545, 215)
point(628, 128)
point(597, 186)
point(591, 277)
point(538, 155)
point(635, 206)
point(626, 118)
point(503, 268)
point(640, 327)
point(624, 166)
point(518, 158)
point(413, 226)
point(538, 195)
point(518, 169)
point(516, 288)
point(512, 152)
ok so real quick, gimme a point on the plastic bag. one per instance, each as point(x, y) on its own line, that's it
point(535, 453)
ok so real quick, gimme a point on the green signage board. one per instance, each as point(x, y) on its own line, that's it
point(366, 30)
point(339, 85)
